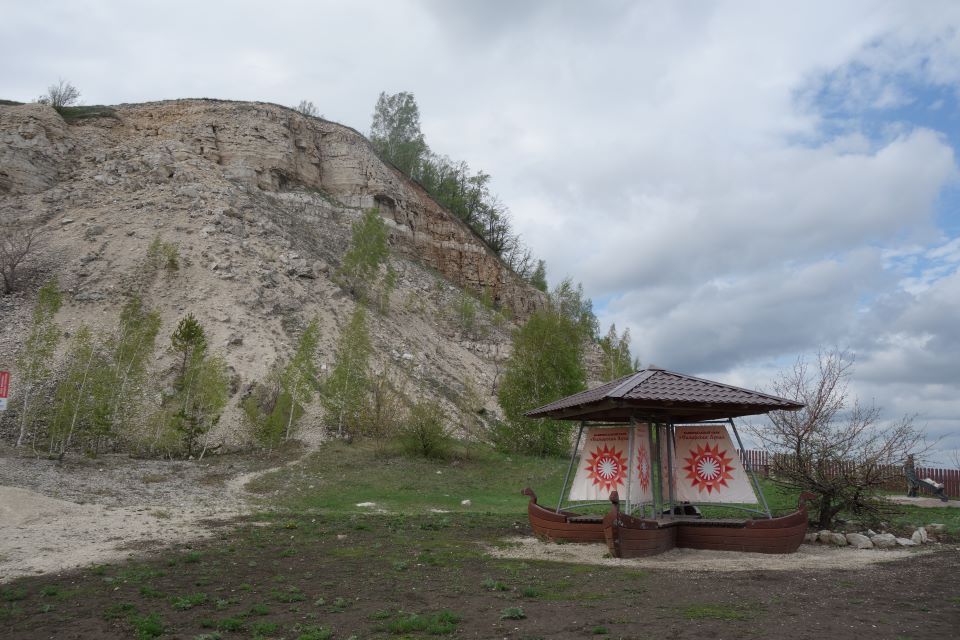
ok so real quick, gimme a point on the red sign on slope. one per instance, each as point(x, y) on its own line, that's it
point(4, 388)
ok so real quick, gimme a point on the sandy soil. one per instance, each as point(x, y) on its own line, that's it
point(57, 517)
point(809, 556)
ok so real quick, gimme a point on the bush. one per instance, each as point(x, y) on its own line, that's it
point(425, 433)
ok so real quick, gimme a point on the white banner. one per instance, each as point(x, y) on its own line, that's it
point(606, 464)
point(706, 467)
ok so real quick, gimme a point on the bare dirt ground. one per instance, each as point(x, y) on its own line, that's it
point(55, 517)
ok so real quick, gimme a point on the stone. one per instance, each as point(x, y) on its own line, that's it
point(859, 541)
point(869, 533)
point(884, 540)
point(936, 527)
point(465, 503)
point(917, 537)
point(838, 539)
point(824, 536)
point(924, 538)
point(906, 542)
point(810, 538)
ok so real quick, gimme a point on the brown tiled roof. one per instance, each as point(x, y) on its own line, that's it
point(662, 395)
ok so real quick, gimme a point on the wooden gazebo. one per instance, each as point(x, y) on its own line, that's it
point(640, 430)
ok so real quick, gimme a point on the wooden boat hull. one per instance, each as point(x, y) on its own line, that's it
point(563, 525)
point(630, 537)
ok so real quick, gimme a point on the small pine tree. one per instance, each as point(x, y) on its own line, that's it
point(201, 386)
point(345, 389)
point(34, 359)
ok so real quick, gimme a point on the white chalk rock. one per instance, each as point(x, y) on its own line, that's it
point(884, 540)
point(859, 541)
point(936, 527)
point(824, 536)
point(906, 542)
point(838, 539)
point(465, 503)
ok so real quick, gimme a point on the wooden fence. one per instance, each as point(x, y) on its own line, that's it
point(760, 462)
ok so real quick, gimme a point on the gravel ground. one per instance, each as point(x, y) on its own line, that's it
point(55, 516)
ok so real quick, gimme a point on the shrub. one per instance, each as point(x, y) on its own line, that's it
point(425, 433)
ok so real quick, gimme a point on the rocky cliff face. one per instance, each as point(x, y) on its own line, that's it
point(259, 201)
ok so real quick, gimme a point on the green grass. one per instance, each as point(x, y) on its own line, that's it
point(72, 114)
point(182, 603)
point(513, 613)
point(437, 624)
point(343, 475)
point(148, 626)
point(716, 612)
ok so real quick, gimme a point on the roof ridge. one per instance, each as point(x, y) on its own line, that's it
point(730, 386)
point(633, 381)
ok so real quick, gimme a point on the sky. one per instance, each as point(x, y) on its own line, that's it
point(738, 183)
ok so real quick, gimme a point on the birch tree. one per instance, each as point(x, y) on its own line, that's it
point(346, 388)
point(34, 359)
point(73, 406)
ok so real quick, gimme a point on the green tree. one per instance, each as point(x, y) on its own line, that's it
point(615, 360)
point(125, 373)
point(425, 432)
point(368, 250)
point(395, 131)
point(34, 359)
point(73, 408)
point(569, 301)
point(201, 387)
point(546, 364)
point(188, 339)
point(345, 390)
point(273, 409)
point(539, 276)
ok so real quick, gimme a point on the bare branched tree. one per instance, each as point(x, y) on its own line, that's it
point(835, 447)
point(307, 108)
point(62, 94)
point(18, 241)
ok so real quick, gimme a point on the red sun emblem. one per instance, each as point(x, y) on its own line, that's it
point(643, 468)
point(708, 468)
point(606, 468)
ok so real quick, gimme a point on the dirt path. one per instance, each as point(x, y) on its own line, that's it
point(57, 517)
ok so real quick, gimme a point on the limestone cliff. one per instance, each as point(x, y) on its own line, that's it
point(259, 200)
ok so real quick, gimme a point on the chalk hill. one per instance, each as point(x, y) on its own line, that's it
point(259, 201)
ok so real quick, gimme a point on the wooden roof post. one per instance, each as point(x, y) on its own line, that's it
point(631, 429)
point(670, 455)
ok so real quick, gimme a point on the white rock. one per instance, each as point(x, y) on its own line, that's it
point(884, 540)
point(465, 503)
point(917, 537)
point(859, 541)
point(810, 537)
point(824, 536)
point(923, 535)
point(906, 542)
point(869, 533)
point(838, 539)
point(936, 527)
point(366, 504)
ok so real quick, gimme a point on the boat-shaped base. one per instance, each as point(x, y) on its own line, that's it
point(562, 525)
point(631, 537)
